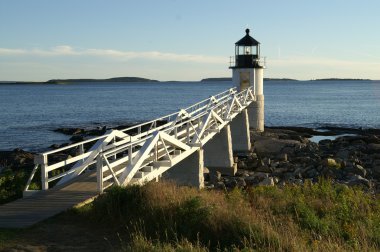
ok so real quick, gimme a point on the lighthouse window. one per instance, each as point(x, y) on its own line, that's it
point(248, 50)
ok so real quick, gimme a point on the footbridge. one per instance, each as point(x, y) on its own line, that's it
point(177, 147)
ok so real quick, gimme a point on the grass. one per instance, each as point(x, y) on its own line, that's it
point(164, 217)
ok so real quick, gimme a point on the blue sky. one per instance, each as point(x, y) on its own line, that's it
point(186, 40)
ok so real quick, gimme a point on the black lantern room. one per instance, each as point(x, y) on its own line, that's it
point(247, 52)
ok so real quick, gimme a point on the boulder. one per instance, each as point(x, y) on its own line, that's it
point(264, 168)
point(329, 162)
point(376, 169)
point(231, 183)
point(241, 182)
point(221, 186)
point(251, 181)
point(274, 147)
point(267, 182)
point(76, 138)
point(215, 176)
point(70, 131)
point(282, 157)
point(241, 165)
point(359, 170)
point(358, 180)
point(374, 148)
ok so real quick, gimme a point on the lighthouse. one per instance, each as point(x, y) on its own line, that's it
point(248, 71)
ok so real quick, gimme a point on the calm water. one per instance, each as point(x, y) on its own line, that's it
point(29, 113)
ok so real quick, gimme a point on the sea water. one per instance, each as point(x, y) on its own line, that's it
point(30, 112)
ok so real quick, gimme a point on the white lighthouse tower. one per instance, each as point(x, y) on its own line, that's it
point(248, 71)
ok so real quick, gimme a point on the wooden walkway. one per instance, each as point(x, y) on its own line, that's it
point(42, 205)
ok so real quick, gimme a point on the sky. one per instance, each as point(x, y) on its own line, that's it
point(186, 40)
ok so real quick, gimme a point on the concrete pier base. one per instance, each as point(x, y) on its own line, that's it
point(218, 153)
point(189, 171)
point(241, 141)
point(256, 114)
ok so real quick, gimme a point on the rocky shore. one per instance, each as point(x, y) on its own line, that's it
point(279, 156)
point(286, 155)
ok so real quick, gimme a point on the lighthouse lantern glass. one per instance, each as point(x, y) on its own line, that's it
point(248, 50)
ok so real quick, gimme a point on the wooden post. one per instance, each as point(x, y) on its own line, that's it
point(43, 161)
point(114, 141)
point(81, 151)
point(130, 149)
point(99, 172)
point(187, 133)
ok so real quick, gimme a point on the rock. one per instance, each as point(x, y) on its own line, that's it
point(211, 186)
point(297, 171)
point(54, 146)
point(271, 146)
point(288, 176)
point(329, 162)
point(282, 157)
point(325, 142)
point(215, 176)
point(220, 185)
point(267, 182)
point(376, 169)
point(241, 182)
point(16, 159)
point(70, 131)
point(252, 164)
point(76, 138)
point(231, 183)
point(242, 173)
point(279, 172)
point(275, 164)
point(296, 181)
point(358, 169)
point(343, 154)
point(358, 180)
point(56, 157)
point(260, 175)
point(266, 161)
point(265, 169)
point(241, 165)
point(374, 148)
point(251, 181)
point(311, 173)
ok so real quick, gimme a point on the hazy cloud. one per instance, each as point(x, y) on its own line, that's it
point(65, 50)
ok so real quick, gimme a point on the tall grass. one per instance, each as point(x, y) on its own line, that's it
point(164, 217)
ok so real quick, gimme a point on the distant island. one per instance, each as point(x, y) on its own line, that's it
point(73, 81)
point(230, 79)
point(116, 79)
point(341, 79)
point(139, 79)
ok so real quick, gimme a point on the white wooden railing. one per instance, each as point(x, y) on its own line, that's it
point(143, 152)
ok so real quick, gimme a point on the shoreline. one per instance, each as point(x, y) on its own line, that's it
point(279, 156)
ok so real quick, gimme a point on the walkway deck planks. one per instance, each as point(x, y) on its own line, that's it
point(31, 210)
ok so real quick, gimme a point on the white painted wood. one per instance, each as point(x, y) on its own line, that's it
point(152, 152)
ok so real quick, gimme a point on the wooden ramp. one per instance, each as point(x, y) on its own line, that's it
point(28, 211)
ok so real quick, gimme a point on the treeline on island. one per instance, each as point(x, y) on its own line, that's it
point(116, 79)
point(286, 79)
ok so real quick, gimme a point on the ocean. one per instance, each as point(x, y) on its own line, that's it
point(30, 112)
